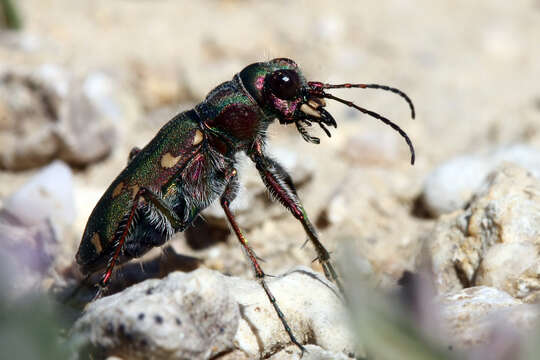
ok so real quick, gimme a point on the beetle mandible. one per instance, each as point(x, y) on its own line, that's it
point(191, 162)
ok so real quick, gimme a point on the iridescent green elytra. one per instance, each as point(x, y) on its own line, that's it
point(191, 163)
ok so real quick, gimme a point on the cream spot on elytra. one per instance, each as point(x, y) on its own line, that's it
point(134, 190)
point(168, 161)
point(198, 137)
point(96, 241)
point(118, 189)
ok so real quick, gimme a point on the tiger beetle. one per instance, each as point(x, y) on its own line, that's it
point(191, 162)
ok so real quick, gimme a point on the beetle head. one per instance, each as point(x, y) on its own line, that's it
point(279, 88)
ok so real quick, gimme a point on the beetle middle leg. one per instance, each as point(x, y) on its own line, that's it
point(124, 230)
point(134, 152)
point(228, 196)
point(280, 184)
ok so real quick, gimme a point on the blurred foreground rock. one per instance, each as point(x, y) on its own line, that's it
point(204, 313)
point(27, 253)
point(450, 186)
point(47, 113)
point(495, 240)
point(473, 316)
point(33, 222)
point(47, 195)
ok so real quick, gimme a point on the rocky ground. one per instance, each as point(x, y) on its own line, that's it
point(83, 82)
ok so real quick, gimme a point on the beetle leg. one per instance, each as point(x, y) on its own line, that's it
point(305, 134)
point(281, 186)
point(160, 205)
point(165, 209)
point(228, 196)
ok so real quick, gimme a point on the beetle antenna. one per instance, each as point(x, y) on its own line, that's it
point(376, 116)
point(367, 86)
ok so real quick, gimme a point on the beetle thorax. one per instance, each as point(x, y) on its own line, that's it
point(232, 117)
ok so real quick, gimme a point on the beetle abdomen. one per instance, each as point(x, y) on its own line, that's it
point(150, 229)
point(155, 166)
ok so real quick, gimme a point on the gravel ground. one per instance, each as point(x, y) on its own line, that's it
point(471, 69)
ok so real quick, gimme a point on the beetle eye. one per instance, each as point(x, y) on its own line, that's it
point(284, 84)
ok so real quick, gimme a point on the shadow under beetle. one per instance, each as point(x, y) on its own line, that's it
point(191, 162)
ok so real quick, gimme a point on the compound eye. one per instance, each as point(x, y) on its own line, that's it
point(284, 84)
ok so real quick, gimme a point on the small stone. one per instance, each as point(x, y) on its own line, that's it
point(312, 306)
point(451, 185)
point(494, 241)
point(100, 90)
point(87, 130)
point(23, 41)
point(219, 314)
point(313, 352)
point(209, 328)
point(54, 76)
point(27, 254)
point(46, 113)
point(471, 316)
point(30, 108)
point(47, 195)
point(512, 267)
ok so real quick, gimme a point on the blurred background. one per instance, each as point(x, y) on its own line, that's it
point(82, 82)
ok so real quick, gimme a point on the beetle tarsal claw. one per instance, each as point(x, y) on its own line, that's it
point(308, 110)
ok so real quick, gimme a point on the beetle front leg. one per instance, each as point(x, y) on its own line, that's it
point(280, 184)
point(228, 196)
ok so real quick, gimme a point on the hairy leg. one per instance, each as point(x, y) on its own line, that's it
point(227, 197)
point(280, 184)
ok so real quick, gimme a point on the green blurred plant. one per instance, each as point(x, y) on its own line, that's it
point(30, 329)
point(10, 14)
point(384, 328)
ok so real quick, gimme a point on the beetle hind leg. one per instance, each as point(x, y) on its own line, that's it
point(149, 229)
point(161, 222)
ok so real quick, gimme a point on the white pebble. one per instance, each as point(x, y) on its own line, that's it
point(48, 194)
